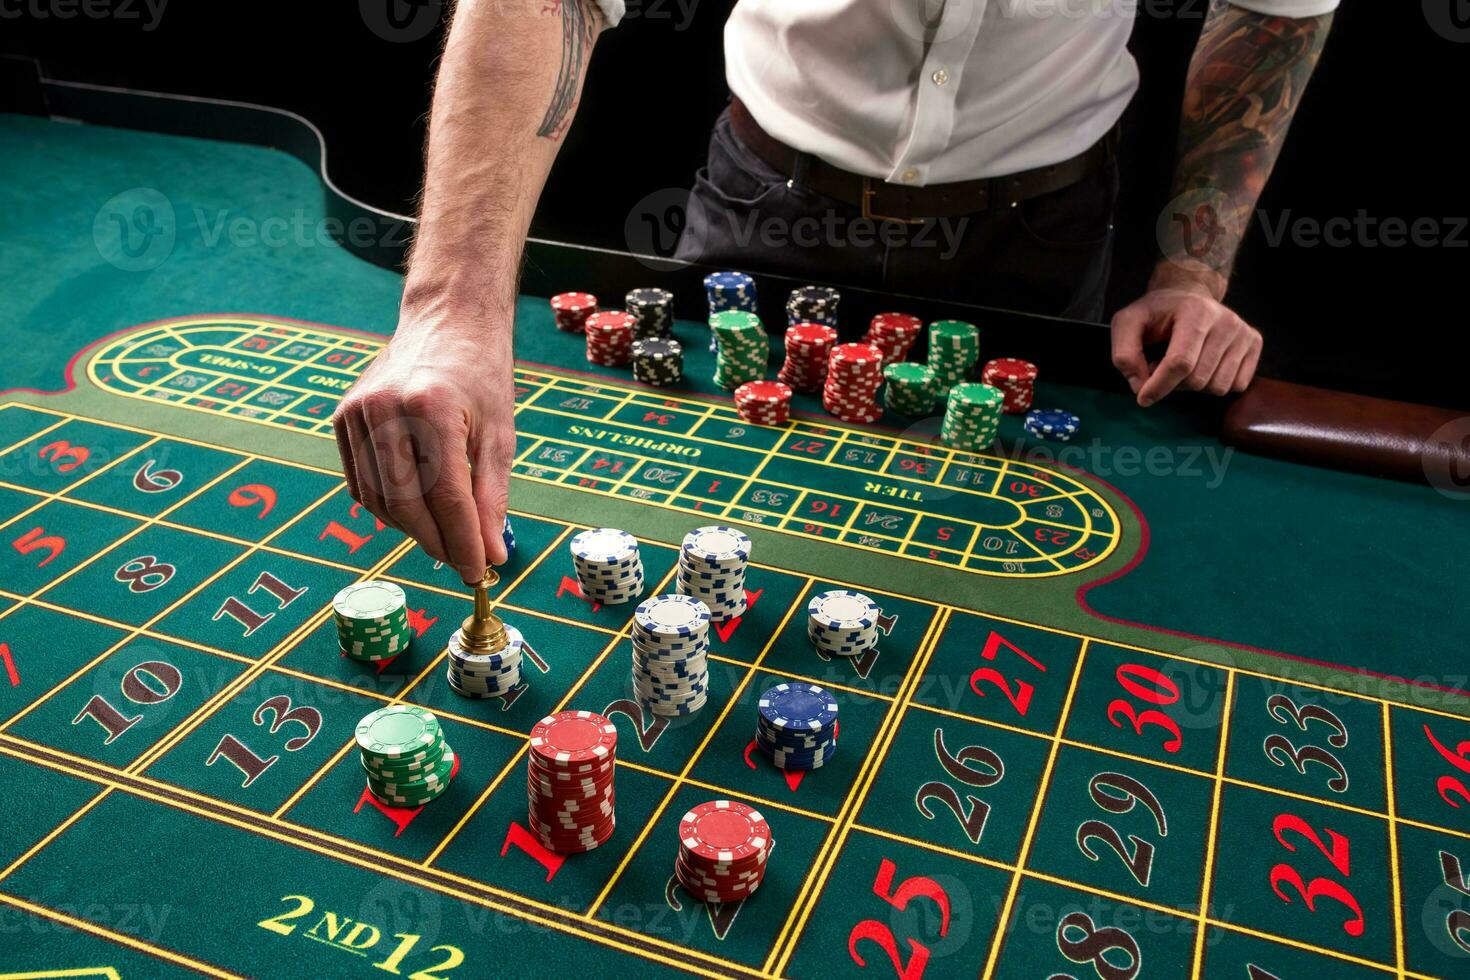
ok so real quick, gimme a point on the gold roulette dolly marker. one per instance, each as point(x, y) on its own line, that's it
point(482, 631)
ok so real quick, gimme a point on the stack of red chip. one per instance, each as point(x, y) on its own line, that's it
point(764, 402)
point(808, 346)
point(610, 338)
point(1015, 378)
point(570, 780)
point(571, 311)
point(894, 334)
point(854, 375)
point(723, 847)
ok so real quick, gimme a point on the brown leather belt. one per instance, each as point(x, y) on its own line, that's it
point(886, 201)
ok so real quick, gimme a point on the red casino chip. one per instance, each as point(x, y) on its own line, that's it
point(723, 831)
point(571, 310)
point(1016, 380)
point(573, 738)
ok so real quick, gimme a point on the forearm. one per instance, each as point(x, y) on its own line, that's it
point(508, 84)
point(1245, 82)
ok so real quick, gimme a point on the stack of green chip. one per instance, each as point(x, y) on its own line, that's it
point(744, 348)
point(404, 754)
point(911, 389)
point(972, 416)
point(954, 350)
point(372, 621)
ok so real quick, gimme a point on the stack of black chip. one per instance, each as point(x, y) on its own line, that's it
point(654, 311)
point(813, 304)
point(658, 362)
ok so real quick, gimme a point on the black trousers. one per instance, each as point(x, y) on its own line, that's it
point(1048, 255)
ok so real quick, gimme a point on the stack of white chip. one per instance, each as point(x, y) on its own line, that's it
point(712, 564)
point(485, 675)
point(670, 648)
point(842, 623)
point(608, 565)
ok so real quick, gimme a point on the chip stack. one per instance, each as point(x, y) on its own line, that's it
point(712, 563)
point(404, 755)
point(478, 675)
point(610, 338)
point(854, 375)
point(608, 565)
point(571, 311)
point(372, 621)
point(508, 535)
point(658, 362)
point(723, 849)
point(842, 623)
point(972, 416)
point(797, 726)
point(894, 334)
point(569, 781)
point(910, 389)
point(808, 346)
point(729, 291)
point(654, 311)
point(764, 402)
point(1015, 378)
point(670, 654)
point(1055, 424)
point(743, 346)
point(954, 349)
point(812, 304)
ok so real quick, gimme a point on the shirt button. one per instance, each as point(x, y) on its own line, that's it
point(940, 76)
point(909, 174)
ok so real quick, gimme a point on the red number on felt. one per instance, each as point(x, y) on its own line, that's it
point(1150, 686)
point(36, 539)
point(60, 450)
point(9, 659)
point(882, 936)
point(1020, 695)
point(1024, 489)
point(254, 495)
point(1338, 854)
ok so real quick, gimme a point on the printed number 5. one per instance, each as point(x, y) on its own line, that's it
point(879, 934)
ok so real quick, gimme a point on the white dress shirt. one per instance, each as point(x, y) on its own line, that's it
point(935, 91)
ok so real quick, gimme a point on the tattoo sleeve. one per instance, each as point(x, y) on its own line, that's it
point(580, 21)
point(1245, 82)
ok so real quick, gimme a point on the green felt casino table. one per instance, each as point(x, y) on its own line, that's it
point(1141, 707)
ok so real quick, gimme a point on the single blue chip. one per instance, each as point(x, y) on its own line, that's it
point(798, 706)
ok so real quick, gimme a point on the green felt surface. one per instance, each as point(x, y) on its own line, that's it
point(1022, 788)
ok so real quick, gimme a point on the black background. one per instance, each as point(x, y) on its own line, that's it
point(1380, 131)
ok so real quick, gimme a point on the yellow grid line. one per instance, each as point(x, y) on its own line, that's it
point(1208, 878)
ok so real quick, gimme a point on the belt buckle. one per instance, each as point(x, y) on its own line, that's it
point(869, 192)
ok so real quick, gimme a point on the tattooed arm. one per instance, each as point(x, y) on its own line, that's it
point(442, 391)
point(1245, 81)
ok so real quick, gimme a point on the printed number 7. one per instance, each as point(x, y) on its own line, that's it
point(878, 933)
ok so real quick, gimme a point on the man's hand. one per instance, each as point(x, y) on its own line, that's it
point(1209, 347)
point(427, 436)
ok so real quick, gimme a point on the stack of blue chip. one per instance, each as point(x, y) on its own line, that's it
point(729, 291)
point(797, 725)
point(1056, 424)
point(485, 675)
point(670, 650)
point(508, 535)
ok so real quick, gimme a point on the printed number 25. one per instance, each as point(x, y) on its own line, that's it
point(878, 933)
